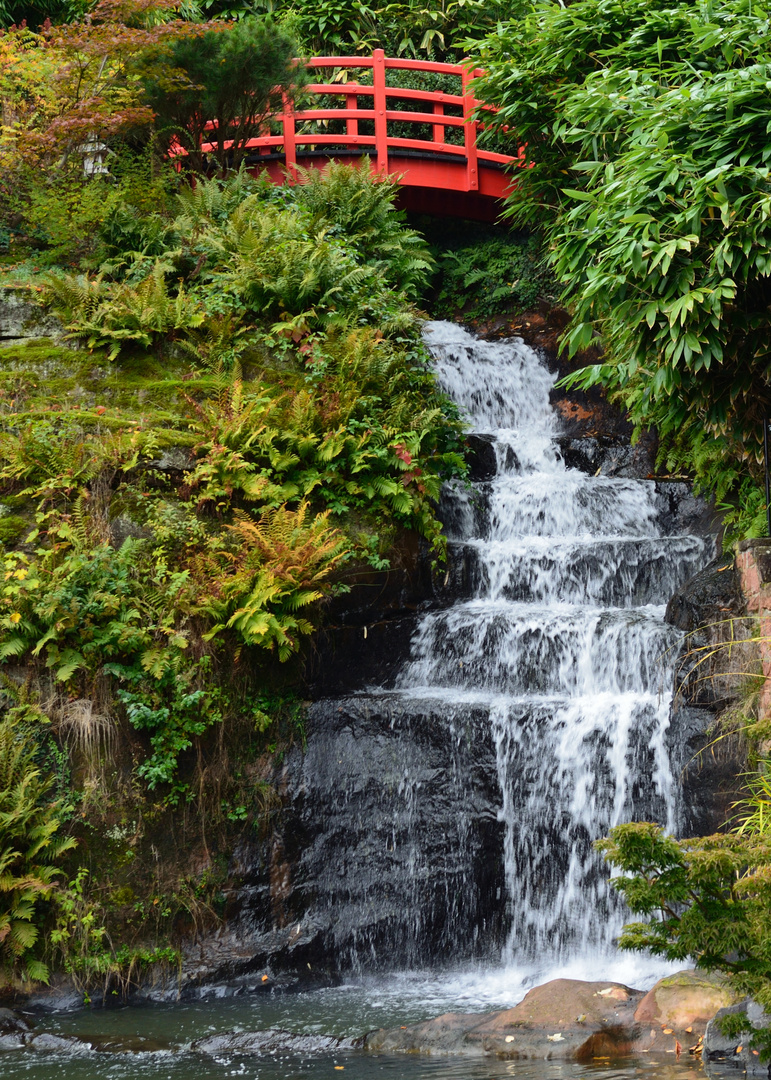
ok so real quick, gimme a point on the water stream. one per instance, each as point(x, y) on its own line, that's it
point(563, 640)
point(560, 650)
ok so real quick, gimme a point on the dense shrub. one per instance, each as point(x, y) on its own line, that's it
point(645, 126)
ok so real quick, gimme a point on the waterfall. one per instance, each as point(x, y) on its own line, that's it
point(561, 643)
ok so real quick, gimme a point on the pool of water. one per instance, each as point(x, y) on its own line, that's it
point(158, 1041)
point(353, 1066)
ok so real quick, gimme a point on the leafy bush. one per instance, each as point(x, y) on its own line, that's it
point(323, 256)
point(499, 273)
point(645, 127)
point(358, 206)
point(64, 210)
point(80, 945)
point(234, 76)
point(706, 901)
point(280, 566)
point(403, 28)
point(92, 103)
point(113, 316)
point(314, 429)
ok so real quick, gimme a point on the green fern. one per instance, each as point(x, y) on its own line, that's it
point(282, 563)
point(30, 846)
point(115, 315)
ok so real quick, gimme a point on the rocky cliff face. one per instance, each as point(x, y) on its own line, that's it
point(712, 610)
point(388, 849)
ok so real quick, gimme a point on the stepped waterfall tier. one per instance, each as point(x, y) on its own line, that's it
point(562, 644)
point(563, 641)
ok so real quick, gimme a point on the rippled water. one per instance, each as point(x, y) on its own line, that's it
point(153, 1042)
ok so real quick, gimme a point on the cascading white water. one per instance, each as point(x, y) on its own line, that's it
point(563, 642)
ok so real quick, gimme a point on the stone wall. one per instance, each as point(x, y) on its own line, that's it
point(22, 319)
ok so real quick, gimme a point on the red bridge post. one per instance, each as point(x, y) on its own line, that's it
point(470, 133)
point(380, 103)
point(290, 143)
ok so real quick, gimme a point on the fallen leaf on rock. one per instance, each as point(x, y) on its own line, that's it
point(580, 1019)
point(265, 978)
point(605, 992)
point(509, 1038)
point(689, 1030)
point(339, 1067)
point(653, 1034)
point(667, 1031)
point(556, 1037)
point(738, 1049)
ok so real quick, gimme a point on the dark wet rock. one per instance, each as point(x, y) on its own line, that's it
point(388, 852)
point(268, 1042)
point(11, 1021)
point(587, 414)
point(367, 631)
point(60, 996)
point(12, 1041)
point(711, 596)
point(481, 457)
point(608, 457)
point(583, 454)
point(681, 512)
point(707, 769)
point(735, 1051)
point(350, 658)
point(46, 1042)
point(710, 608)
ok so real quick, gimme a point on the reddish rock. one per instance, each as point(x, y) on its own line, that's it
point(677, 1010)
point(564, 1018)
point(568, 1018)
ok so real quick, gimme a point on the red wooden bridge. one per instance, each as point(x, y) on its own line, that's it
point(438, 174)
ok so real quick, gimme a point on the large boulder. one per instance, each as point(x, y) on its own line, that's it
point(564, 1018)
point(678, 1008)
point(569, 1018)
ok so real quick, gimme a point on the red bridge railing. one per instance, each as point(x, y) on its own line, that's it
point(460, 166)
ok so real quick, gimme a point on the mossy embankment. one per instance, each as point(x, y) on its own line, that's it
point(236, 423)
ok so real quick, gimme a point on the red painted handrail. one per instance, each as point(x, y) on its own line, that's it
point(292, 141)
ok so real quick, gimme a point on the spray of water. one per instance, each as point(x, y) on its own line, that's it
point(563, 642)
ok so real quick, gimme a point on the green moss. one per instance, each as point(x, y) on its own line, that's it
point(12, 527)
point(45, 377)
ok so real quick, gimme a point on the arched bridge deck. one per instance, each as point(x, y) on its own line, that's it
point(446, 173)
